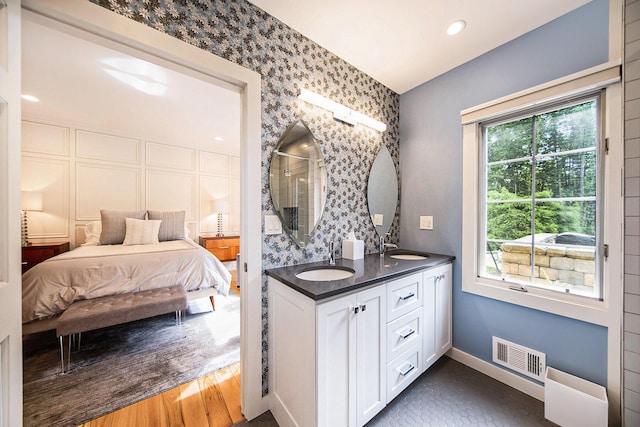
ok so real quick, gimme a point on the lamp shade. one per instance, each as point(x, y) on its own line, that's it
point(31, 201)
point(219, 206)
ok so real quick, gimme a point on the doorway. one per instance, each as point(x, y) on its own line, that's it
point(95, 23)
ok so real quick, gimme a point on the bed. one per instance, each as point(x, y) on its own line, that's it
point(96, 270)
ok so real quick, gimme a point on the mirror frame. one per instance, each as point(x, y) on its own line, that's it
point(300, 236)
point(380, 194)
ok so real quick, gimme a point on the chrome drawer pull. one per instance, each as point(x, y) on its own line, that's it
point(409, 295)
point(223, 247)
point(406, 372)
point(408, 334)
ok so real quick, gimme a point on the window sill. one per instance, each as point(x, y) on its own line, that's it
point(567, 305)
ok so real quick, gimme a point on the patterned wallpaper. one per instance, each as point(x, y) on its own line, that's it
point(287, 61)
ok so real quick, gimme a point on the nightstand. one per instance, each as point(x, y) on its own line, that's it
point(224, 248)
point(38, 252)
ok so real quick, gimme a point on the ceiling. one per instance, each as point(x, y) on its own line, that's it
point(403, 43)
point(99, 88)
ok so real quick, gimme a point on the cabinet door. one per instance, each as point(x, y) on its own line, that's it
point(429, 320)
point(443, 309)
point(372, 355)
point(337, 361)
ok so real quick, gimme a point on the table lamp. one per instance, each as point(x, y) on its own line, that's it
point(29, 201)
point(220, 207)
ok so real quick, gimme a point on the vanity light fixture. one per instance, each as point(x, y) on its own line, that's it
point(340, 112)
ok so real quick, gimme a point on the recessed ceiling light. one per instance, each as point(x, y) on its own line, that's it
point(456, 27)
point(219, 138)
point(30, 98)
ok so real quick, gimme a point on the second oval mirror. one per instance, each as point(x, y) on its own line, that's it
point(298, 182)
point(382, 191)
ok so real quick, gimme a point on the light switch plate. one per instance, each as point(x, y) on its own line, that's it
point(426, 222)
point(272, 225)
point(378, 219)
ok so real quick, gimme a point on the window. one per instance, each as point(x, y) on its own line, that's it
point(539, 189)
point(541, 198)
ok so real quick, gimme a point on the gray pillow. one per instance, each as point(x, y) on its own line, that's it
point(114, 227)
point(172, 227)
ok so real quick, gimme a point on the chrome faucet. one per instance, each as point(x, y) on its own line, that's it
point(384, 246)
point(332, 254)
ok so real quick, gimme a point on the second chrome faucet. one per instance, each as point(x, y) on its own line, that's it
point(384, 246)
point(332, 254)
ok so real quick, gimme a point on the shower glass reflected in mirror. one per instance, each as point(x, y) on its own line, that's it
point(382, 191)
point(298, 182)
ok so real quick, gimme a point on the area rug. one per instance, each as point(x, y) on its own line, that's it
point(116, 367)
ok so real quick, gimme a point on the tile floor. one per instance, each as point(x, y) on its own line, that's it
point(452, 394)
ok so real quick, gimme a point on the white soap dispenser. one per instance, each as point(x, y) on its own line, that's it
point(352, 248)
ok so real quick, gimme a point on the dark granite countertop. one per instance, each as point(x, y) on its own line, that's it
point(370, 270)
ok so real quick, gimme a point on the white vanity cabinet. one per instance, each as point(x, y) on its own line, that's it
point(342, 366)
point(338, 361)
point(437, 314)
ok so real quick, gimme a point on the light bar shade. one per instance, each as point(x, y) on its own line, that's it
point(220, 206)
point(340, 112)
point(31, 201)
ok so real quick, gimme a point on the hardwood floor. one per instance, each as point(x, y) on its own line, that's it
point(209, 401)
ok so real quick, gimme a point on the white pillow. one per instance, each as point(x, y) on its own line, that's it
point(141, 232)
point(92, 232)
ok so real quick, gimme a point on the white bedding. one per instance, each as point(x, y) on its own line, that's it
point(95, 271)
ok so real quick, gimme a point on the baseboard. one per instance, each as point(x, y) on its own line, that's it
point(528, 387)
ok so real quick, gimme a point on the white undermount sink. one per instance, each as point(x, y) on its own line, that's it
point(409, 257)
point(325, 274)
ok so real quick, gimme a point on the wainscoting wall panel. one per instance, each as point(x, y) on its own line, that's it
point(45, 139)
point(100, 146)
point(215, 163)
point(49, 177)
point(80, 171)
point(171, 191)
point(101, 186)
point(161, 155)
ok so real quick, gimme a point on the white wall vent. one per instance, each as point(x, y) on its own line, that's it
point(521, 359)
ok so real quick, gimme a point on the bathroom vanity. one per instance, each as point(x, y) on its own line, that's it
point(341, 349)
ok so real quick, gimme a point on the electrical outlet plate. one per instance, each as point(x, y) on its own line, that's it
point(426, 222)
point(378, 219)
point(272, 225)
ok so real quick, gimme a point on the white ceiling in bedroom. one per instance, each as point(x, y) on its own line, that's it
point(403, 43)
point(90, 85)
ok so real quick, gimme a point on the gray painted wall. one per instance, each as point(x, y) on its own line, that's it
point(431, 181)
point(631, 355)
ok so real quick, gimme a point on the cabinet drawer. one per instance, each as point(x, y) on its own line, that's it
point(222, 243)
point(404, 333)
point(404, 295)
point(223, 248)
point(402, 371)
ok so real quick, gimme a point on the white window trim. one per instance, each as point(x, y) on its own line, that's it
point(589, 310)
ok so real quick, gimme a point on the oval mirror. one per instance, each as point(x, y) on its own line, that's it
point(382, 191)
point(298, 182)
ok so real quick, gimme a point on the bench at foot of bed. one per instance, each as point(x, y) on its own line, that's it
point(88, 315)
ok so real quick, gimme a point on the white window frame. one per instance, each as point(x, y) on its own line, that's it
point(601, 312)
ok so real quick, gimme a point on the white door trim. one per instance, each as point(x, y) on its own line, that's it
point(95, 21)
point(10, 254)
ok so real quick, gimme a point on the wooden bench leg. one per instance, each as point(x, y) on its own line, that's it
point(213, 302)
